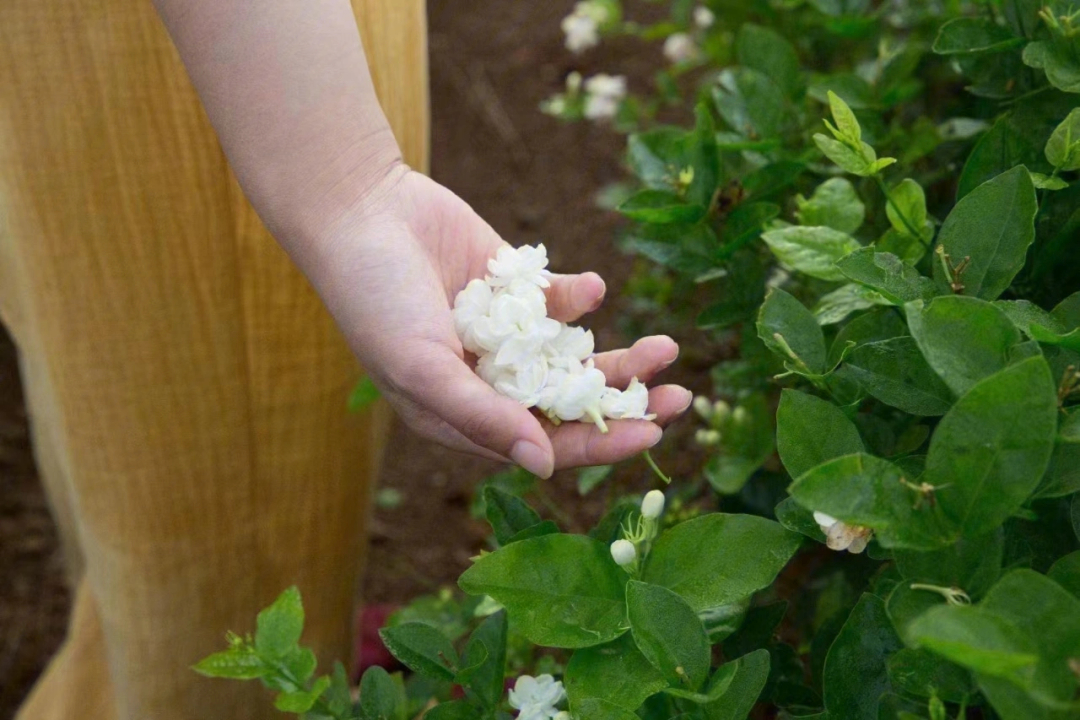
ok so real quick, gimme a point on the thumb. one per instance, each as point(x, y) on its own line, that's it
point(472, 407)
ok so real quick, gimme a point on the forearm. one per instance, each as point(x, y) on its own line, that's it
point(287, 87)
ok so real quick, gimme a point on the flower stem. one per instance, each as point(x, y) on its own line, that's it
point(655, 468)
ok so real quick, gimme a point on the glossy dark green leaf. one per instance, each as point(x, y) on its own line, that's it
point(718, 559)
point(925, 674)
point(906, 603)
point(1066, 573)
point(813, 251)
point(668, 633)
point(886, 274)
point(855, 675)
point(1058, 58)
point(977, 639)
point(963, 339)
point(379, 695)
point(971, 564)
point(507, 513)
point(864, 490)
point(810, 431)
point(836, 306)
point(896, 373)
point(994, 225)
point(422, 648)
point(616, 672)
point(300, 701)
point(560, 590)
point(485, 653)
point(990, 451)
point(784, 321)
point(745, 678)
point(974, 35)
point(453, 710)
point(770, 53)
point(596, 709)
point(751, 103)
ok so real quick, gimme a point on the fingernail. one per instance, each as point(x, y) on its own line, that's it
point(689, 401)
point(531, 457)
point(658, 434)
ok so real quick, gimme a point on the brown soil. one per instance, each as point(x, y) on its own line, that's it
point(533, 178)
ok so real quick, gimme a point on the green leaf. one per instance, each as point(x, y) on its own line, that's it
point(378, 695)
point(279, 626)
point(963, 339)
point(656, 157)
point(751, 103)
point(1063, 148)
point(864, 490)
point(561, 590)
point(861, 161)
point(855, 674)
point(300, 701)
point(661, 207)
point(1066, 573)
point(338, 697)
point(924, 674)
point(971, 564)
point(835, 307)
point(887, 274)
point(1058, 59)
point(797, 518)
point(745, 679)
point(616, 672)
point(238, 663)
point(301, 663)
point(668, 633)
point(363, 395)
point(718, 559)
point(974, 35)
point(990, 451)
point(757, 629)
point(993, 225)
point(977, 639)
point(834, 204)
point(589, 478)
point(507, 513)
point(906, 603)
point(811, 250)
point(768, 52)
point(846, 122)
point(810, 431)
point(422, 648)
point(1046, 182)
point(1063, 474)
point(896, 373)
point(873, 326)
point(489, 642)
point(1048, 615)
point(784, 323)
point(596, 709)
point(908, 202)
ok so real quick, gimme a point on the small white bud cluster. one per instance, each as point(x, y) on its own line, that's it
point(624, 551)
point(682, 47)
point(719, 416)
point(841, 536)
point(530, 357)
point(603, 96)
point(582, 26)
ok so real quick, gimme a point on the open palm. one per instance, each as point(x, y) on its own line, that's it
point(392, 280)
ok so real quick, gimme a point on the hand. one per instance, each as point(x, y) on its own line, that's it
point(390, 273)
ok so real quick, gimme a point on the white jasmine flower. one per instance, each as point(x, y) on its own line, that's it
point(604, 94)
point(623, 553)
point(579, 395)
point(652, 505)
point(630, 404)
point(582, 32)
point(536, 697)
point(524, 345)
point(703, 17)
point(491, 373)
point(525, 383)
point(680, 48)
point(530, 293)
point(508, 317)
point(470, 305)
point(571, 342)
point(841, 536)
point(524, 263)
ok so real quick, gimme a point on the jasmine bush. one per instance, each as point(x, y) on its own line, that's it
point(901, 283)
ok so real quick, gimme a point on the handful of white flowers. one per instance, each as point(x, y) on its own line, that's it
point(530, 357)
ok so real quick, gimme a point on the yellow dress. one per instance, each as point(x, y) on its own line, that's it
point(187, 389)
